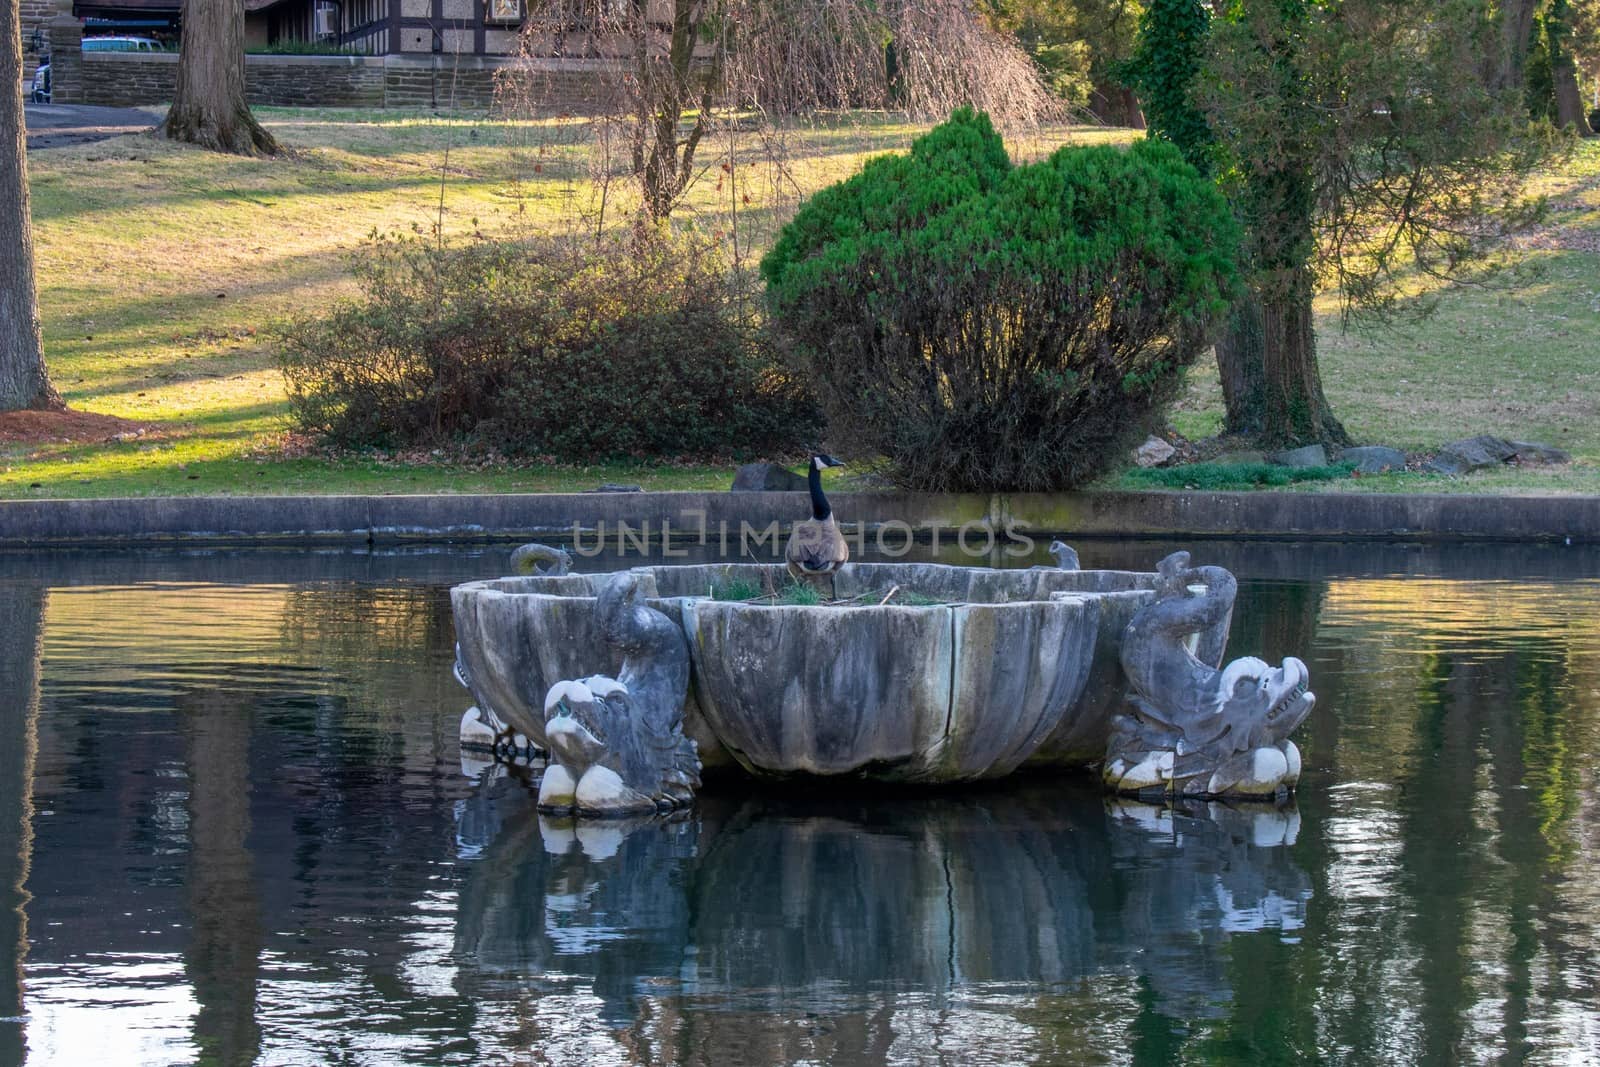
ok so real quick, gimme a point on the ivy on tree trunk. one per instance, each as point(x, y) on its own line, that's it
point(1294, 408)
point(1355, 145)
point(1277, 196)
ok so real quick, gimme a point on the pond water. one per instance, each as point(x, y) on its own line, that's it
point(230, 791)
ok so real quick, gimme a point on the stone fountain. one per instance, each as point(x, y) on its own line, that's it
point(636, 682)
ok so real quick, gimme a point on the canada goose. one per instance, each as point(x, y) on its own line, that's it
point(816, 547)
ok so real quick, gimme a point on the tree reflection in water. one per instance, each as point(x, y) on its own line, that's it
point(223, 959)
point(21, 612)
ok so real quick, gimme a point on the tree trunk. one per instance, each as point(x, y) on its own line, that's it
point(1241, 366)
point(1116, 105)
point(24, 383)
point(1297, 412)
point(1279, 206)
point(208, 106)
point(664, 163)
point(1569, 99)
point(1564, 73)
point(1516, 29)
point(21, 624)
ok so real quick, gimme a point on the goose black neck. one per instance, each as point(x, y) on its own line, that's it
point(819, 503)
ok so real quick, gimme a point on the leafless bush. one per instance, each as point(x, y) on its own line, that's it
point(676, 92)
point(628, 346)
point(922, 59)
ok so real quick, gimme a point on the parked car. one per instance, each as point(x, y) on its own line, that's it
point(41, 82)
point(122, 44)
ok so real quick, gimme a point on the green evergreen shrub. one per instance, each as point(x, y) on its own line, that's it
point(638, 347)
point(991, 328)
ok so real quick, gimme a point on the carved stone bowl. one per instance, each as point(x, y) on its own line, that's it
point(965, 673)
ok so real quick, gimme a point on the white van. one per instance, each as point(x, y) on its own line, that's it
point(121, 44)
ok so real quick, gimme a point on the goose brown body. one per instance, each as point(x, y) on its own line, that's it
point(816, 546)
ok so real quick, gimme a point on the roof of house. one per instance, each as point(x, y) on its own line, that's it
point(85, 8)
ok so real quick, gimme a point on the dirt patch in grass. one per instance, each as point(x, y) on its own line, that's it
point(75, 427)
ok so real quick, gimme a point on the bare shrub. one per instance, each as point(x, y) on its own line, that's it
point(676, 92)
point(629, 347)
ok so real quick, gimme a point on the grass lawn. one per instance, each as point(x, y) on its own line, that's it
point(159, 266)
point(1518, 357)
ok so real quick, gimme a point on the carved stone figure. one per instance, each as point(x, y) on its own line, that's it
point(1191, 728)
point(484, 738)
point(541, 560)
point(617, 745)
point(1065, 555)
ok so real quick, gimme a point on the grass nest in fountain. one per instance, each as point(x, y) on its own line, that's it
point(803, 594)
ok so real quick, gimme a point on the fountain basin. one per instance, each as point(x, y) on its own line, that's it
point(964, 674)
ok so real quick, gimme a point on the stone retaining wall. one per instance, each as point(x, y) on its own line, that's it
point(116, 79)
point(705, 516)
point(289, 81)
point(131, 79)
point(439, 82)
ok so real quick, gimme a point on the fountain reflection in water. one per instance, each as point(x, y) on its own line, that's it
point(782, 906)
